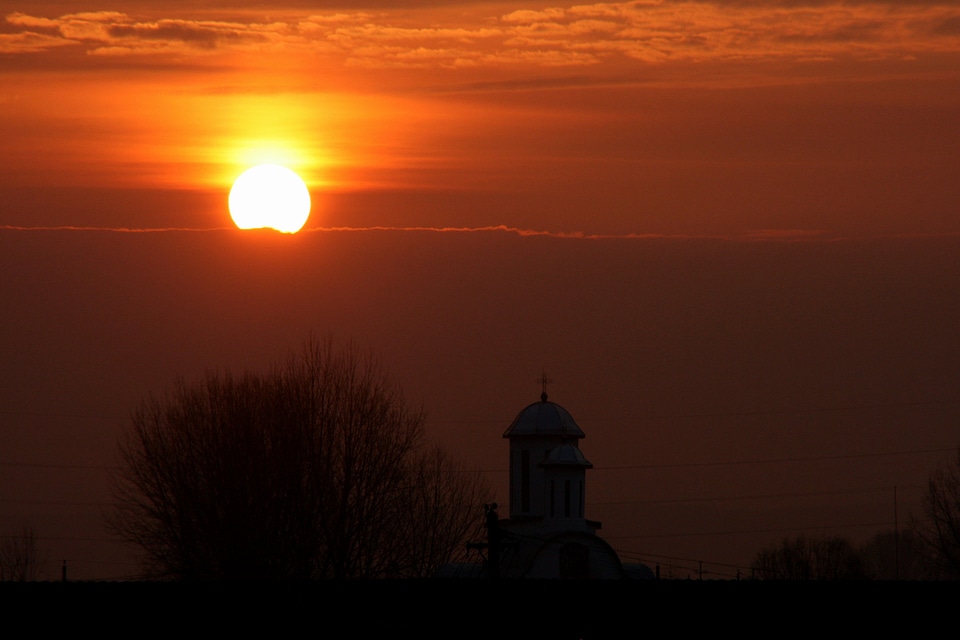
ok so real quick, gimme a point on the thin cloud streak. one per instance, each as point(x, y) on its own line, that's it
point(490, 229)
point(764, 235)
point(109, 229)
point(576, 235)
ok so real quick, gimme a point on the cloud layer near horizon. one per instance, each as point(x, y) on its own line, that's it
point(650, 31)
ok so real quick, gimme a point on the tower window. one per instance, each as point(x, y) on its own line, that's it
point(581, 498)
point(525, 481)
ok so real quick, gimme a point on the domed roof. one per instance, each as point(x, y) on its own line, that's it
point(543, 419)
point(566, 455)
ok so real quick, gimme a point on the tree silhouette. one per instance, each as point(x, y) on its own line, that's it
point(443, 507)
point(317, 469)
point(809, 558)
point(21, 557)
point(940, 528)
point(896, 555)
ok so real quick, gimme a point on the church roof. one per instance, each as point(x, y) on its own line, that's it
point(543, 419)
point(566, 455)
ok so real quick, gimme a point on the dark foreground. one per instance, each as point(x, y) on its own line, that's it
point(437, 608)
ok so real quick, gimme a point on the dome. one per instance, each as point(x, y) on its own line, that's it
point(566, 455)
point(543, 419)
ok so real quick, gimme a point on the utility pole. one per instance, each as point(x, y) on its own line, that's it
point(494, 541)
point(896, 534)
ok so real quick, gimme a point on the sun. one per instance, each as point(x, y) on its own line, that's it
point(269, 196)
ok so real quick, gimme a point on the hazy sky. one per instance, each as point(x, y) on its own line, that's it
point(728, 231)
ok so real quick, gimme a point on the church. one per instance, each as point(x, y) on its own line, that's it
point(547, 534)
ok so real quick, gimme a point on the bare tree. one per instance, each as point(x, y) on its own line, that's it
point(21, 557)
point(896, 555)
point(443, 508)
point(809, 558)
point(940, 527)
point(310, 471)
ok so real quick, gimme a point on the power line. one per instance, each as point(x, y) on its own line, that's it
point(675, 465)
point(51, 465)
point(781, 412)
point(54, 503)
point(732, 414)
point(723, 463)
point(849, 456)
point(759, 496)
point(633, 418)
point(33, 414)
point(749, 531)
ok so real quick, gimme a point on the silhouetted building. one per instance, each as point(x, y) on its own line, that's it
point(547, 535)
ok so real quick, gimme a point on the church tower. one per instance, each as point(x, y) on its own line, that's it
point(547, 468)
point(547, 534)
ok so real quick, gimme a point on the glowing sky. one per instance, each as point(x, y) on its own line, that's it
point(635, 117)
point(728, 230)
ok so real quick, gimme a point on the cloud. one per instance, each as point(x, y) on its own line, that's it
point(107, 229)
point(647, 31)
point(115, 33)
point(753, 236)
point(202, 34)
point(759, 235)
point(23, 20)
point(785, 234)
point(949, 26)
point(525, 16)
point(29, 42)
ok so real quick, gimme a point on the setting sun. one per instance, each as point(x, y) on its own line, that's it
point(269, 196)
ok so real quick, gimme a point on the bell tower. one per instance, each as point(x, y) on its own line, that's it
point(547, 468)
point(547, 534)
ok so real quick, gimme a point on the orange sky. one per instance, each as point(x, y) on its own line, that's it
point(728, 230)
point(636, 117)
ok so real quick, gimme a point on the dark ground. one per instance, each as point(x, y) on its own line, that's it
point(547, 609)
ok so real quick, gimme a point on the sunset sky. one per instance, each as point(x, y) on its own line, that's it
point(729, 231)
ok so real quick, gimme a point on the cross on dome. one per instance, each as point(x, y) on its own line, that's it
point(544, 380)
